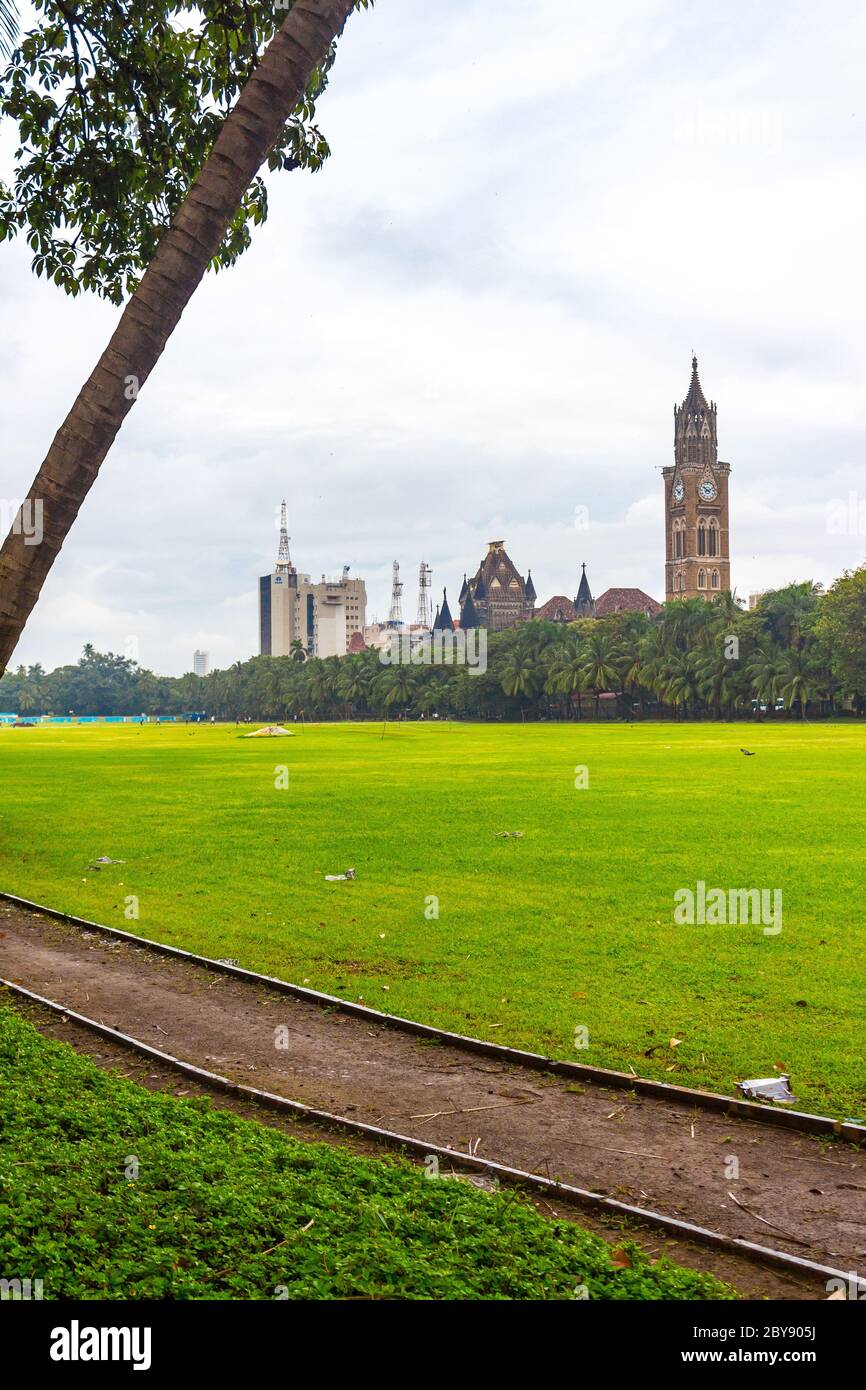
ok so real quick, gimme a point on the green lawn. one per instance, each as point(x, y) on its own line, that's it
point(124, 1194)
point(571, 925)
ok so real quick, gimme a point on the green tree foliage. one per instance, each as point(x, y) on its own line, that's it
point(841, 628)
point(800, 649)
point(117, 104)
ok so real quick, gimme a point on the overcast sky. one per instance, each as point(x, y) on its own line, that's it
point(477, 319)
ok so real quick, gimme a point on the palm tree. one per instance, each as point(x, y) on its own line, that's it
point(679, 680)
point(353, 684)
point(427, 697)
point(600, 665)
point(766, 671)
point(725, 607)
point(567, 675)
point(519, 676)
point(653, 655)
point(275, 87)
point(684, 619)
point(397, 686)
point(716, 676)
point(798, 680)
point(8, 27)
point(323, 676)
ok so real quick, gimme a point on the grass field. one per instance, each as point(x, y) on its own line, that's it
point(125, 1194)
point(570, 926)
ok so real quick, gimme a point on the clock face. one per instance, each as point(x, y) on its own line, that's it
point(707, 490)
point(679, 490)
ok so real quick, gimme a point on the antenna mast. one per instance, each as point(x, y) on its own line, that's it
point(395, 616)
point(283, 557)
point(425, 610)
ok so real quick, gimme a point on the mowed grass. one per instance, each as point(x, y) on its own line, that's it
point(570, 926)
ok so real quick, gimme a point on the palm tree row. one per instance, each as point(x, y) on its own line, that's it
point(695, 660)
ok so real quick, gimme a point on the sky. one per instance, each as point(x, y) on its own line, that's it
point(473, 324)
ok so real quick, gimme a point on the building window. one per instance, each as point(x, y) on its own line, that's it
point(713, 537)
point(702, 537)
point(702, 579)
point(715, 579)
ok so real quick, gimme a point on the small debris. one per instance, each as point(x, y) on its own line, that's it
point(747, 752)
point(768, 1088)
point(340, 878)
point(270, 731)
point(101, 862)
point(509, 834)
point(227, 960)
point(775, 1225)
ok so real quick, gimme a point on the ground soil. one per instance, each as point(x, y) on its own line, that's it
point(666, 1157)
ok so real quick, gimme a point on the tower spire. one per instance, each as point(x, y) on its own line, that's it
point(284, 559)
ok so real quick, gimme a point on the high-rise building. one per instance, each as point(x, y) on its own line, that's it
point(200, 663)
point(300, 618)
point(697, 542)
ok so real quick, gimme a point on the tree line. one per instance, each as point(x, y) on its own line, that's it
point(800, 653)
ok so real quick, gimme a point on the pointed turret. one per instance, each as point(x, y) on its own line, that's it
point(468, 612)
point(530, 588)
point(444, 620)
point(695, 425)
point(584, 604)
point(463, 591)
point(695, 398)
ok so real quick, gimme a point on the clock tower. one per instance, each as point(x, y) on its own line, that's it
point(697, 551)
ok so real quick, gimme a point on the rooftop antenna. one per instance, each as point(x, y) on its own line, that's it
point(395, 616)
point(425, 608)
point(284, 560)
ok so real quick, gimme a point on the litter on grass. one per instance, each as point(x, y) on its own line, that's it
point(509, 834)
point(271, 731)
point(340, 878)
point(768, 1088)
point(102, 861)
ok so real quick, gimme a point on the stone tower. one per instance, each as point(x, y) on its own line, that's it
point(697, 543)
point(500, 596)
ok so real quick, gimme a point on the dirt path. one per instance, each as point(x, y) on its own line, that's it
point(649, 1152)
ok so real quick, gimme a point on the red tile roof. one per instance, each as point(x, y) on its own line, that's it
point(626, 601)
point(557, 609)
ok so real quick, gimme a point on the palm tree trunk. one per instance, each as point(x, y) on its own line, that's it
point(184, 253)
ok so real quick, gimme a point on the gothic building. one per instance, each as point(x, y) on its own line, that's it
point(697, 551)
point(496, 596)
